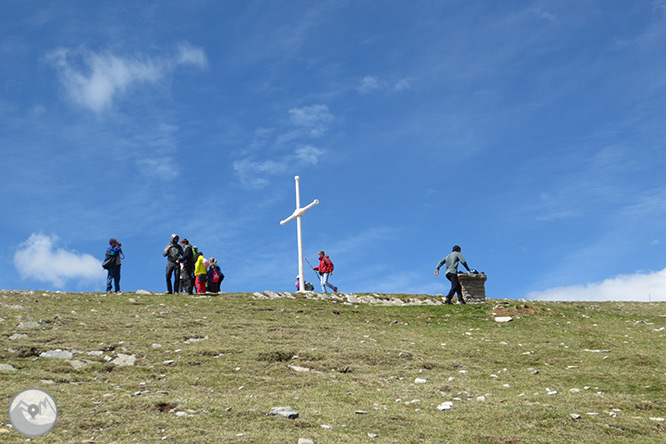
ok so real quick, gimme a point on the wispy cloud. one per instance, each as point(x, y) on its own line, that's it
point(256, 174)
point(304, 123)
point(647, 286)
point(369, 84)
point(38, 258)
point(315, 119)
point(94, 80)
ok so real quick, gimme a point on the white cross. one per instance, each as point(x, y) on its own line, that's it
point(298, 213)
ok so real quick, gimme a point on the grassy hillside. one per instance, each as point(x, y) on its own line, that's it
point(210, 369)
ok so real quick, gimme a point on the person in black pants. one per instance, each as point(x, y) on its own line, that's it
point(173, 252)
point(188, 264)
point(452, 261)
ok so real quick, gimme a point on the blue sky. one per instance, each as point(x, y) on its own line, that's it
point(531, 133)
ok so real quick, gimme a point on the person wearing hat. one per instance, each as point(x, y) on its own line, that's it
point(452, 261)
point(173, 252)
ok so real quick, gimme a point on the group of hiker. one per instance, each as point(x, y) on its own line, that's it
point(190, 270)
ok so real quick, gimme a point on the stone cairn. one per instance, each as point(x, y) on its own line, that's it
point(473, 287)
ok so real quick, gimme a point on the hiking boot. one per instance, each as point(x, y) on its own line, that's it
point(335, 289)
point(462, 301)
point(448, 302)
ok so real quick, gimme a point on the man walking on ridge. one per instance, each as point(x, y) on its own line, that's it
point(452, 261)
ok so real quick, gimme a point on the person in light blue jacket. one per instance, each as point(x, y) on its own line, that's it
point(452, 261)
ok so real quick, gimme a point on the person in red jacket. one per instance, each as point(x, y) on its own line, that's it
point(325, 269)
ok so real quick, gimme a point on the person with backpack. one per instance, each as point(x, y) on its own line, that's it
point(215, 276)
point(186, 280)
point(173, 252)
point(452, 261)
point(307, 287)
point(114, 254)
point(325, 269)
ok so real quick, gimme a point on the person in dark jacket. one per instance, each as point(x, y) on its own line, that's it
point(186, 281)
point(325, 269)
point(173, 253)
point(113, 256)
point(452, 261)
point(215, 276)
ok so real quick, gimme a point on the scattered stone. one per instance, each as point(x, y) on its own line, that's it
point(652, 418)
point(146, 292)
point(446, 405)
point(133, 301)
point(76, 364)
point(503, 319)
point(361, 412)
point(420, 381)
point(169, 362)
point(16, 336)
point(327, 427)
point(6, 368)
point(481, 398)
point(298, 369)
point(57, 354)
point(191, 340)
point(156, 345)
point(286, 412)
point(575, 416)
point(28, 325)
point(574, 390)
point(95, 353)
point(305, 441)
point(124, 360)
point(373, 435)
point(181, 414)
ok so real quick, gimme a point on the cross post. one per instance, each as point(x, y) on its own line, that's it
point(298, 213)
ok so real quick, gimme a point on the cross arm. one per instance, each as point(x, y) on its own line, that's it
point(298, 212)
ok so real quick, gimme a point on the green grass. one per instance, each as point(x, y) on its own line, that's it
point(362, 358)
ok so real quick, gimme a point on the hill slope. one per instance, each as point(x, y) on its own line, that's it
point(146, 368)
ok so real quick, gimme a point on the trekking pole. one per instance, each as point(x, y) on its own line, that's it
point(312, 268)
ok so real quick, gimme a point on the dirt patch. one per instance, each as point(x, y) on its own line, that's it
point(519, 310)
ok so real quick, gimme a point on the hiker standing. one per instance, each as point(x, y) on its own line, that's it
point(114, 254)
point(452, 261)
point(200, 272)
point(187, 263)
point(173, 253)
point(325, 269)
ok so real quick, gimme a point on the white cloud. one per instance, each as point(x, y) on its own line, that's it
point(255, 174)
point(37, 258)
point(94, 80)
point(634, 287)
point(188, 54)
point(368, 84)
point(402, 84)
point(314, 118)
point(309, 154)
